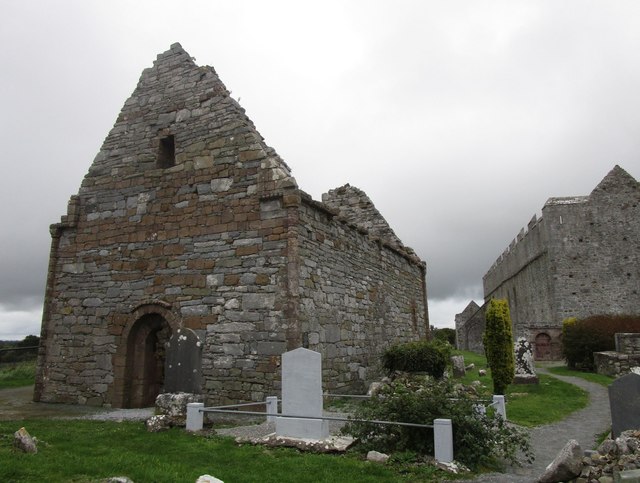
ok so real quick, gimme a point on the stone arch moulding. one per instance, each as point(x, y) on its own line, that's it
point(152, 314)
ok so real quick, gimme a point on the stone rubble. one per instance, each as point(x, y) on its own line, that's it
point(159, 422)
point(208, 479)
point(565, 466)
point(24, 441)
point(171, 409)
point(332, 444)
point(174, 405)
point(377, 457)
point(613, 460)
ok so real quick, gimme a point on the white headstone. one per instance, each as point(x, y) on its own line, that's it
point(525, 369)
point(302, 396)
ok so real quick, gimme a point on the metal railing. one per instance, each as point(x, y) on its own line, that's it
point(442, 428)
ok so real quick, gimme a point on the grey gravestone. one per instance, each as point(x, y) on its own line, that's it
point(458, 366)
point(302, 395)
point(525, 372)
point(624, 400)
point(183, 362)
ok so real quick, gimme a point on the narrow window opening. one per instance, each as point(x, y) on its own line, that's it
point(167, 152)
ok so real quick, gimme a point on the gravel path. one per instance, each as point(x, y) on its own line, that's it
point(548, 440)
point(16, 404)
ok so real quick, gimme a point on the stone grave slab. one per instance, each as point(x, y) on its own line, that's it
point(183, 363)
point(302, 396)
point(457, 362)
point(624, 400)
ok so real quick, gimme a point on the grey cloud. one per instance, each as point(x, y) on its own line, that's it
point(459, 121)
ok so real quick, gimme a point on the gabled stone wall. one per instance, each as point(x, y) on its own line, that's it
point(188, 220)
point(581, 258)
point(470, 325)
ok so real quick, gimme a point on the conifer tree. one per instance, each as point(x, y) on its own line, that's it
point(498, 344)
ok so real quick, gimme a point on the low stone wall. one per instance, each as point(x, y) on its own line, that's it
point(628, 343)
point(614, 364)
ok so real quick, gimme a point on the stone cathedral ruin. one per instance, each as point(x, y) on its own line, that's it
point(581, 258)
point(190, 261)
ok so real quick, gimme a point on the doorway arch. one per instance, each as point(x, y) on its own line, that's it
point(543, 347)
point(138, 363)
point(144, 368)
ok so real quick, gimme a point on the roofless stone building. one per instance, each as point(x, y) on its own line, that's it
point(190, 261)
point(581, 258)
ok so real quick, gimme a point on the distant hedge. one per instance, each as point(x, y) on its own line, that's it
point(582, 337)
point(19, 351)
point(420, 356)
point(445, 335)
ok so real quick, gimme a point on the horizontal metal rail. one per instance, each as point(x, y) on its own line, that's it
point(354, 396)
point(5, 349)
point(324, 418)
point(259, 403)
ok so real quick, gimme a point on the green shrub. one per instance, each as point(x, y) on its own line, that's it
point(478, 440)
point(420, 356)
point(582, 337)
point(498, 344)
point(445, 335)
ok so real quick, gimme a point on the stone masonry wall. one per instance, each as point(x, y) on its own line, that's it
point(595, 249)
point(470, 325)
point(187, 222)
point(193, 241)
point(628, 343)
point(615, 364)
point(521, 275)
point(358, 296)
point(620, 361)
point(581, 258)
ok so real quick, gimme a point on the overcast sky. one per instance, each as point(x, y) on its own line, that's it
point(458, 118)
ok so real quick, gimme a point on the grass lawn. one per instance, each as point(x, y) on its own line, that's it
point(530, 404)
point(84, 451)
point(18, 374)
point(588, 376)
point(549, 400)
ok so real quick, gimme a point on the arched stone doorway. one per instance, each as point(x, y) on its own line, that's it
point(543, 347)
point(145, 360)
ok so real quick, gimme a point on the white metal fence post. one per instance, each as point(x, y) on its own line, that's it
point(443, 440)
point(195, 417)
point(500, 406)
point(272, 408)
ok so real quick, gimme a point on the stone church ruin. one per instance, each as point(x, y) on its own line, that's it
point(581, 258)
point(190, 261)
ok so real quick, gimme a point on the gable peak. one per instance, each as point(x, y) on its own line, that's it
point(617, 179)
